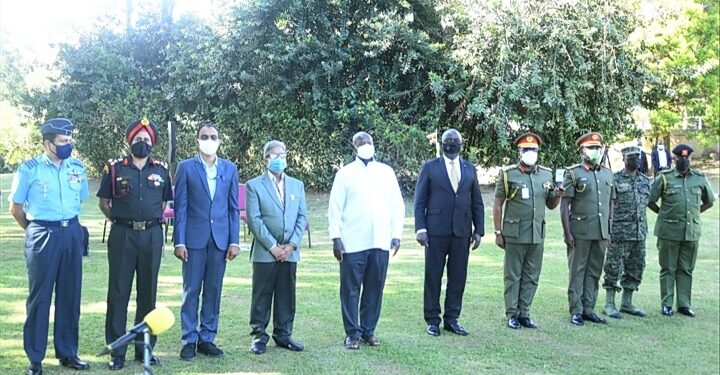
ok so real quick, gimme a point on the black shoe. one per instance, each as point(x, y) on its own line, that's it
point(34, 368)
point(188, 352)
point(153, 360)
point(513, 322)
point(433, 330)
point(371, 340)
point(74, 363)
point(686, 311)
point(291, 345)
point(527, 323)
point(257, 347)
point(667, 311)
point(456, 328)
point(594, 318)
point(577, 319)
point(210, 350)
point(116, 363)
point(351, 343)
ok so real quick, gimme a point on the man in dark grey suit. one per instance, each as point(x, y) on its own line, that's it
point(448, 204)
point(277, 215)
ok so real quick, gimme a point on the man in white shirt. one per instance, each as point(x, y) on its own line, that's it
point(660, 158)
point(365, 216)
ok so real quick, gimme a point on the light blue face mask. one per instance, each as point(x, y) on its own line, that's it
point(277, 165)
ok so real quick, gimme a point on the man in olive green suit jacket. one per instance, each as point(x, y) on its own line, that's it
point(277, 216)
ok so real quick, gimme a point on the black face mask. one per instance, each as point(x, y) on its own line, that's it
point(682, 164)
point(140, 149)
point(632, 164)
point(451, 148)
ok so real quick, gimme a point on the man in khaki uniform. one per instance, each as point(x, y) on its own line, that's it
point(525, 189)
point(685, 193)
point(585, 211)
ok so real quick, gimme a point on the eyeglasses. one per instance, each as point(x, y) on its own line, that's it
point(277, 156)
point(452, 141)
point(205, 137)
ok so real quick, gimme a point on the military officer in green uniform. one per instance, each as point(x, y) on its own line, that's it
point(524, 189)
point(685, 193)
point(626, 252)
point(133, 193)
point(585, 212)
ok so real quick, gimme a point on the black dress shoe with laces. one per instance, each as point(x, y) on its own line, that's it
point(577, 320)
point(210, 350)
point(527, 322)
point(433, 330)
point(371, 340)
point(153, 359)
point(34, 368)
point(686, 311)
point(188, 352)
point(116, 363)
point(351, 343)
point(258, 347)
point(594, 318)
point(74, 363)
point(456, 328)
point(667, 311)
point(291, 345)
point(513, 322)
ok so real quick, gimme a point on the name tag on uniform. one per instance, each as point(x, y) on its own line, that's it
point(525, 193)
point(292, 197)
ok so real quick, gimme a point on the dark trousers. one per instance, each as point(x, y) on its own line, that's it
point(364, 270)
point(54, 261)
point(273, 284)
point(131, 252)
point(203, 271)
point(455, 251)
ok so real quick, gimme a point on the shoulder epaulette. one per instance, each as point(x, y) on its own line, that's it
point(31, 163)
point(77, 162)
point(545, 168)
point(665, 171)
point(509, 167)
point(160, 163)
point(574, 166)
point(697, 172)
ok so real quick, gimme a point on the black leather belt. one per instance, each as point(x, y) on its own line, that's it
point(137, 225)
point(56, 224)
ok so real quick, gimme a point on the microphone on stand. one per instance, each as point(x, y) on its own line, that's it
point(155, 322)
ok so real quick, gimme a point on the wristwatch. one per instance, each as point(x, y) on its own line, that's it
point(497, 232)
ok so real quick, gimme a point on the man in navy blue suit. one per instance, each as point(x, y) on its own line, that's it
point(207, 234)
point(448, 204)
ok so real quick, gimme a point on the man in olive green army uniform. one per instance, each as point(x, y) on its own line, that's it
point(525, 189)
point(685, 193)
point(585, 213)
point(626, 252)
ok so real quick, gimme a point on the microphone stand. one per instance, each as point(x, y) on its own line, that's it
point(147, 370)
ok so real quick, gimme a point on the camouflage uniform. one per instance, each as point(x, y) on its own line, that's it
point(626, 253)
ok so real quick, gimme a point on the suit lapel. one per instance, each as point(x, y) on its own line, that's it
point(200, 169)
point(271, 189)
point(464, 174)
point(442, 170)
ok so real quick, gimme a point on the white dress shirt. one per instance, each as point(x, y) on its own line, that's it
point(211, 173)
point(662, 158)
point(279, 186)
point(366, 207)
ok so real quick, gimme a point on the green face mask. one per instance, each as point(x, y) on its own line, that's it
point(593, 156)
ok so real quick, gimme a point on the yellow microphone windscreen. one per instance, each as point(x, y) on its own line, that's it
point(159, 320)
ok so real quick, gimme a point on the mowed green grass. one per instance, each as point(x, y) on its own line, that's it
point(655, 344)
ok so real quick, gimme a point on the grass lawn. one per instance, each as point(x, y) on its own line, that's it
point(655, 344)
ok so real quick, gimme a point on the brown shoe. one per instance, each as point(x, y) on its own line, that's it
point(351, 343)
point(371, 340)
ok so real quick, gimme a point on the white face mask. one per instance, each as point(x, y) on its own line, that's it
point(661, 147)
point(529, 157)
point(208, 146)
point(366, 151)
